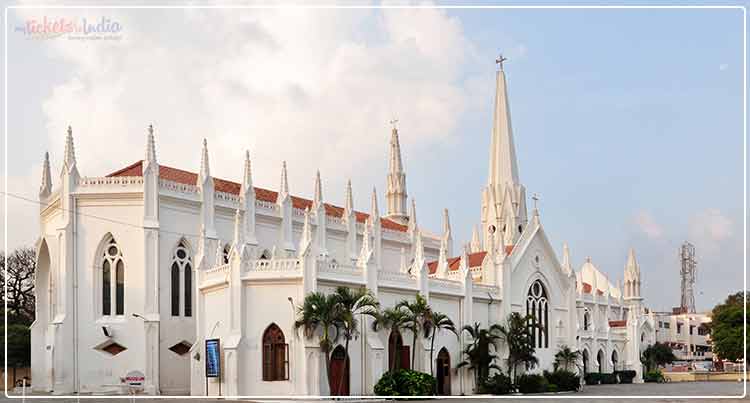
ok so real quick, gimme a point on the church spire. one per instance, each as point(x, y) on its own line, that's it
point(150, 146)
point(396, 181)
point(503, 164)
point(318, 198)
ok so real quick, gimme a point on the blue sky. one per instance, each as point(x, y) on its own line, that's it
point(628, 123)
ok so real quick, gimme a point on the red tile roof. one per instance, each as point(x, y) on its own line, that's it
point(618, 323)
point(599, 292)
point(475, 260)
point(586, 288)
point(221, 185)
point(508, 249)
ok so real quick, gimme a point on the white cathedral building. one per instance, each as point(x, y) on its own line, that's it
point(137, 269)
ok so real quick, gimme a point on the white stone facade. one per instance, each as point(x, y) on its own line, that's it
point(137, 269)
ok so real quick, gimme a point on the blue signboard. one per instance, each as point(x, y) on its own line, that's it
point(213, 358)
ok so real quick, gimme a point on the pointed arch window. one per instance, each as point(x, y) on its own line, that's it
point(275, 355)
point(182, 265)
point(225, 254)
point(537, 308)
point(113, 279)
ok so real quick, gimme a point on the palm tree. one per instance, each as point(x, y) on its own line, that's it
point(416, 312)
point(566, 357)
point(350, 305)
point(433, 324)
point(320, 311)
point(392, 319)
point(517, 335)
point(481, 352)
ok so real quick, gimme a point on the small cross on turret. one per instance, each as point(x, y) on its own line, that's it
point(393, 122)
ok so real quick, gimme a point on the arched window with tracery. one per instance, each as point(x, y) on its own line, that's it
point(275, 355)
point(113, 279)
point(182, 265)
point(537, 308)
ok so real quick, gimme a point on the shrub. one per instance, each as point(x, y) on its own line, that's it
point(653, 376)
point(531, 383)
point(564, 380)
point(498, 384)
point(405, 382)
point(626, 376)
point(552, 388)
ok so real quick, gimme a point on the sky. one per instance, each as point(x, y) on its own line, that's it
point(628, 123)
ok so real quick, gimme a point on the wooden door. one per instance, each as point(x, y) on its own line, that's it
point(443, 373)
point(339, 372)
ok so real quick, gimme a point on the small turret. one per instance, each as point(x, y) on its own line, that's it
point(45, 188)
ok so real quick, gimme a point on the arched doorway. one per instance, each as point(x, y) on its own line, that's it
point(443, 372)
point(585, 361)
point(600, 361)
point(614, 360)
point(398, 353)
point(339, 372)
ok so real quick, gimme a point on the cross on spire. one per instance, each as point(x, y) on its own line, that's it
point(535, 197)
point(393, 122)
point(500, 59)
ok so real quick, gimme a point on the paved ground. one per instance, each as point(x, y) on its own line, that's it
point(613, 393)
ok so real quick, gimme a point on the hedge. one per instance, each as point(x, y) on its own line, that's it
point(405, 382)
point(531, 383)
point(564, 380)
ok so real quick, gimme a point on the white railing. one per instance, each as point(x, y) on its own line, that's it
point(334, 220)
point(230, 197)
point(276, 265)
point(110, 180)
point(445, 284)
point(338, 268)
point(266, 205)
point(177, 187)
point(395, 276)
point(216, 273)
point(483, 289)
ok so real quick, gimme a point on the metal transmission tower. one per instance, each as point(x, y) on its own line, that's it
point(687, 276)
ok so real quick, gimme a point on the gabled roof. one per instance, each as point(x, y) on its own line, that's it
point(221, 185)
point(454, 263)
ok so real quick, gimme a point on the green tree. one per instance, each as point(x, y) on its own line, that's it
point(392, 319)
point(321, 312)
point(434, 323)
point(727, 322)
point(517, 334)
point(656, 355)
point(481, 353)
point(566, 358)
point(416, 313)
point(18, 345)
point(351, 304)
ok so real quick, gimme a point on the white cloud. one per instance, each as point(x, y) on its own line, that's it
point(709, 229)
point(646, 224)
point(314, 87)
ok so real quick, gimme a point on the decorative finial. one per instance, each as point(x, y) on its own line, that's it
point(535, 197)
point(150, 129)
point(499, 61)
point(393, 123)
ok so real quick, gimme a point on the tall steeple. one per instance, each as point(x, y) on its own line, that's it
point(504, 198)
point(396, 181)
point(503, 164)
